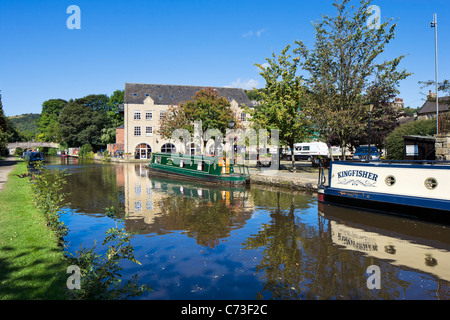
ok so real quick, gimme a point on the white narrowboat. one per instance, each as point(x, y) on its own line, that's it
point(410, 188)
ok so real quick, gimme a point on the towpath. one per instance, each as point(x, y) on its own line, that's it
point(6, 166)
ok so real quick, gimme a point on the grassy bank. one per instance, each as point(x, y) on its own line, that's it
point(32, 266)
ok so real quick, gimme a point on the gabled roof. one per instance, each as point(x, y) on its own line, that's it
point(430, 106)
point(176, 94)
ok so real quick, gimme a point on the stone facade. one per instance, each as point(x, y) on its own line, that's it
point(442, 146)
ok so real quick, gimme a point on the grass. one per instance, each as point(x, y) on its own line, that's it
point(32, 266)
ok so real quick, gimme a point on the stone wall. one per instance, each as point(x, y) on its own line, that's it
point(442, 146)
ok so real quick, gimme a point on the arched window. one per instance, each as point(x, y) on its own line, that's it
point(168, 148)
point(143, 151)
point(194, 149)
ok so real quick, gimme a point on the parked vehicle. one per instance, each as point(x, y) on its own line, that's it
point(310, 150)
point(361, 153)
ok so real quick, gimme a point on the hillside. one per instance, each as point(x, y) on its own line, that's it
point(25, 122)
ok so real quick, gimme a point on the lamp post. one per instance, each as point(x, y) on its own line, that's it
point(369, 108)
point(434, 25)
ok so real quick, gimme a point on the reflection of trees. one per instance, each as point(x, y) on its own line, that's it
point(93, 188)
point(301, 262)
point(206, 221)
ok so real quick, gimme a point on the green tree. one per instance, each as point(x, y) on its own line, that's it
point(81, 122)
point(114, 118)
point(284, 100)
point(48, 125)
point(206, 106)
point(346, 71)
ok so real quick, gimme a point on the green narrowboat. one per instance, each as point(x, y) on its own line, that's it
point(202, 168)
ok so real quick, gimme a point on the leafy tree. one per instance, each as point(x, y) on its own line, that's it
point(284, 100)
point(81, 122)
point(346, 72)
point(48, 125)
point(206, 106)
point(114, 118)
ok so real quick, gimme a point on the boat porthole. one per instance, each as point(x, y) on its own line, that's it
point(431, 183)
point(390, 180)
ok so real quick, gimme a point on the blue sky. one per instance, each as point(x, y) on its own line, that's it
point(204, 42)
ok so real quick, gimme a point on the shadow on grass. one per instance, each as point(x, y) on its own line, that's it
point(31, 274)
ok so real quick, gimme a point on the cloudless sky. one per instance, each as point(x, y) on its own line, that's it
point(186, 42)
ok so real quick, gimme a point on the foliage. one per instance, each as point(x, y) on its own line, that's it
point(284, 100)
point(394, 142)
point(26, 124)
point(86, 152)
point(100, 273)
point(346, 72)
point(443, 86)
point(81, 121)
point(48, 121)
point(206, 106)
point(49, 197)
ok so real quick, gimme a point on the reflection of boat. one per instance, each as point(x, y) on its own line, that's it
point(424, 247)
point(194, 190)
point(407, 188)
point(208, 169)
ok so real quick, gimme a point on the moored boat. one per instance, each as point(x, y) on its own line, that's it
point(202, 168)
point(410, 188)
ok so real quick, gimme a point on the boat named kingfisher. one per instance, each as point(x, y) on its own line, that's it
point(411, 188)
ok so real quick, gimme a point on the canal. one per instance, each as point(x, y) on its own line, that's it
point(202, 242)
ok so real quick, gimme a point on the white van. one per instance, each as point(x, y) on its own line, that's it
point(310, 150)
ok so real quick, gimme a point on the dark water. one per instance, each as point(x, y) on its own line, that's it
point(201, 242)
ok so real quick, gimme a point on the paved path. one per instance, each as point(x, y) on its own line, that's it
point(6, 167)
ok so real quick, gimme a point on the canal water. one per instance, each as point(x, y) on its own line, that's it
point(201, 242)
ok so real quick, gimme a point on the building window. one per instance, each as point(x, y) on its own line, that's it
point(162, 115)
point(168, 148)
point(137, 131)
point(148, 115)
point(137, 115)
point(243, 116)
point(148, 131)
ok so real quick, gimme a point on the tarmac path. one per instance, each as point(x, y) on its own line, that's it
point(6, 167)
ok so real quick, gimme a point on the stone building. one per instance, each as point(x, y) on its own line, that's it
point(146, 104)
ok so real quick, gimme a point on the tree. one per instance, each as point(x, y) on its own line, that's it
point(346, 71)
point(114, 118)
point(48, 125)
point(206, 106)
point(284, 103)
point(81, 122)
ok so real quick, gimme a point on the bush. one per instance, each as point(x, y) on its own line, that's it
point(394, 141)
point(86, 152)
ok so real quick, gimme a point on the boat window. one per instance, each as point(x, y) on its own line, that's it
point(157, 159)
point(181, 163)
point(200, 166)
point(390, 180)
point(305, 148)
point(431, 183)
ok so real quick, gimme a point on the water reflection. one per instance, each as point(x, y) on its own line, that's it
point(198, 241)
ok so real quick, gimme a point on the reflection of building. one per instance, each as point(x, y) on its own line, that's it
point(153, 205)
point(146, 104)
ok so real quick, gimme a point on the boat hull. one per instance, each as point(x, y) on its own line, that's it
point(237, 180)
point(390, 188)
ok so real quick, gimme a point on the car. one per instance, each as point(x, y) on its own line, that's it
point(361, 153)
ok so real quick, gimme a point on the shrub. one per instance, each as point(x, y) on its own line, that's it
point(86, 152)
point(394, 142)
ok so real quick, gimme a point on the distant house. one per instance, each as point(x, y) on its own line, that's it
point(119, 146)
point(146, 104)
point(428, 110)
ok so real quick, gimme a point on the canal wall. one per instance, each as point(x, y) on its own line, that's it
point(300, 181)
